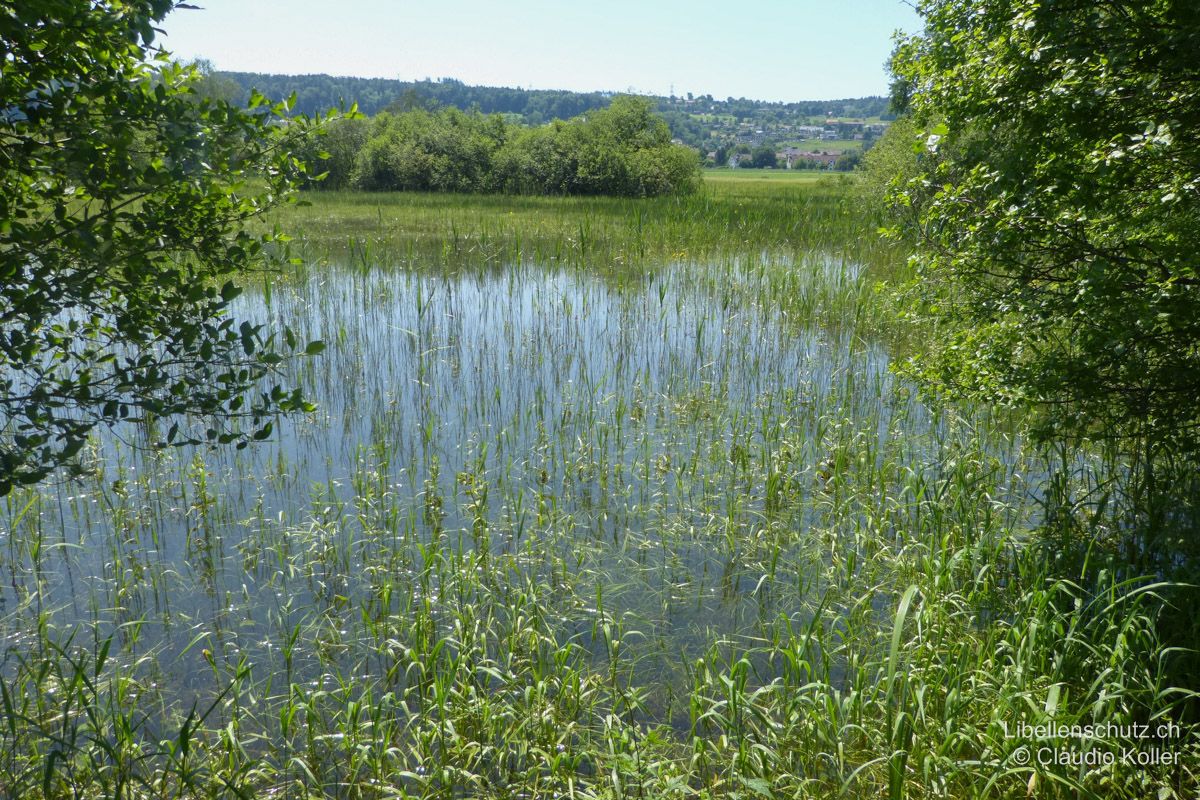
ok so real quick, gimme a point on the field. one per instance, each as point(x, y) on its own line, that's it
point(718, 178)
point(604, 498)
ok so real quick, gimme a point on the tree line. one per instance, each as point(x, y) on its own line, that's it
point(1045, 174)
point(624, 149)
point(316, 93)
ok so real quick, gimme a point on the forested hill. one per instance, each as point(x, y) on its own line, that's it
point(315, 93)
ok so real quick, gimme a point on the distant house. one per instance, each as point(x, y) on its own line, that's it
point(794, 157)
point(788, 156)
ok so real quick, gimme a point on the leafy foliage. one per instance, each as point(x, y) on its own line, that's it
point(123, 211)
point(1058, 211)
point(622, 150)
point(890, 162)
point(763, 156)
point(446, 151)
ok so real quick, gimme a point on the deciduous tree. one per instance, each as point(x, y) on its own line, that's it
point(124, 203)
point(763, 156)
point(1057, 216)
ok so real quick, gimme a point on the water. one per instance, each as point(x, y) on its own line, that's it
point(669, 449)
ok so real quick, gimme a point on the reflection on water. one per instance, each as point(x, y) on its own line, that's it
point(668, 447)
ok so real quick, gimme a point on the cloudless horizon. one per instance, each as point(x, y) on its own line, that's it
point(762, 49)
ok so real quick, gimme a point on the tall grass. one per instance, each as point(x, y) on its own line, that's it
point(605, 498)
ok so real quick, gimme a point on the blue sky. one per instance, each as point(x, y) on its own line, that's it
point(760, 49)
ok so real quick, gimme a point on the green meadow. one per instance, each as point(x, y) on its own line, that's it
point(604, 498)
point(718, 177)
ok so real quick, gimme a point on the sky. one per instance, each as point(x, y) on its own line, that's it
point(759, 49)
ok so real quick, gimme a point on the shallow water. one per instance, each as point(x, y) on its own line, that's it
point(668, 448)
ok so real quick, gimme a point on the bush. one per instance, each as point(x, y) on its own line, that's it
point(623, 150)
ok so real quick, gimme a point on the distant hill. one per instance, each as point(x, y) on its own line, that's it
point(315, 93)
point(692, 119)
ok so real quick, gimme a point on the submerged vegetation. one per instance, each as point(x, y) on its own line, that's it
point(605, 498)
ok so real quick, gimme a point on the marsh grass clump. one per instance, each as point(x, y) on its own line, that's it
point(604, 498)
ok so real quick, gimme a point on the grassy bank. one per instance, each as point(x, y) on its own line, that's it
point(605, 498)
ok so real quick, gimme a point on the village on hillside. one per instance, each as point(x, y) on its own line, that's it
point(776, 137)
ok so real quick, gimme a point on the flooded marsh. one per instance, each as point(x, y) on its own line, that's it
point(601, 499)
